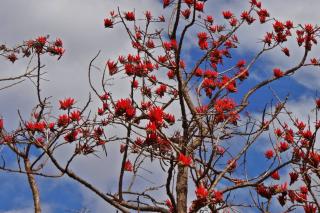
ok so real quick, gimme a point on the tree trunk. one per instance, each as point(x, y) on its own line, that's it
point(33, 186)
point(182, 189)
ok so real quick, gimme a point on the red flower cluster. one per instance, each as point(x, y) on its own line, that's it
point(156, 115)
point(275, 175)
point(269, 154)
point(72, 136)
point(203, 44)
point(112, 67)
point(186, 13)
point(227, 14)
point(161, 90)
point(75, 115)
point(201, 192)
point(129, 16)
point(63, 120)
point(38, 126)
point(184, 160)
point(66, 103)
point(277, 73)
point(1, 123)
point(128, 166)
point(124, 106)
point(225, 109)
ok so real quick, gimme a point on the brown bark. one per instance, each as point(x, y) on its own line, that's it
point(33, 186)
point(182, 189)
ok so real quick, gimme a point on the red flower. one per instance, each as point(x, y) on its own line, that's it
point(283, 146)
point(122, 105)
point(145, 105)
point(286, 51)
point(40, 126)
point(308, 28)
point(169, 118)
point(293, 177)
point(275, 175)
point(75, 115)
point(289, 24)
point(307, 134)
point(268, 154)
point(161, 90)
point(41, 40)
point(198, 72)
point(203, 44)
point(209, 19)
point(58, 42)
point(30, 126)
point(130, 113)
point(229, 84)
point(169, 205)
point(263, 191)
point(318, 103)
point(129, 16)
point(211, 74)
point(233, 22)
point(166, 3)
point(188, 2)
point(220, 150)
point(170, 74)
point(156, 115)
point(151, 127)
point(122, 148)
point(66, 103)
point(241, 63)
point(108, 23)
point(135, 84)
point(161, 18)
point(314, 158)
point(56, 50)
point(277, 73)
point(63, 120)
point(232, 164)
point(246, 16)
point(218, 196)
point(150, 44)
point(105, 97)
point(202, 36)
point(128, 166)
point(309, 208)
point(304, 190)
point(1, 123)
point(314, 61)
point(224, 104)
point(278, 26)
point(112, 66)
point(12, 57)
point(186, 13)
point(201, 192)
point(227, 14)
point(39, 141)
point(101, 111)
point(184, 160)
point(72, 136)
point(148, 15)
point(199, 6)
point(243, 74)
point(51, 126)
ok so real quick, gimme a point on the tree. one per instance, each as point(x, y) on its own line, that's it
point(205, 145)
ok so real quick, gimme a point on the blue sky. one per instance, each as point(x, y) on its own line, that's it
point(80, 25)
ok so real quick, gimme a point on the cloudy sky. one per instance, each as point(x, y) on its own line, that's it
point(79, 23)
